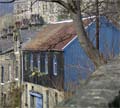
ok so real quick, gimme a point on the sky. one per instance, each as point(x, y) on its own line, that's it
point(6, 8)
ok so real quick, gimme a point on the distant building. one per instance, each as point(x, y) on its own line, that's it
point(6, 21)
point(50, 12)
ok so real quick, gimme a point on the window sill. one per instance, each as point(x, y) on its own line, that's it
point(17, 52)
point(16, 79)
point(55, 74)
point(8, 81)
point(2, 83)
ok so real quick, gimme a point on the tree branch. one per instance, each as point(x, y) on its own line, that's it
point(32, 3)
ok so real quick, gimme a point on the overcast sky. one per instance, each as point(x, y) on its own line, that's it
point(5, 8)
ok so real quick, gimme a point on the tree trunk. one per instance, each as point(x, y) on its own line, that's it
point(85, 42)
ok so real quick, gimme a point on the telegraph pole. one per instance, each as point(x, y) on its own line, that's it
point(97, 24)
point(17, 38)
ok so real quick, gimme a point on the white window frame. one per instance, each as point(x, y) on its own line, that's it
point(31, 61)
point(39, 63)
point(55, 65)
point(46, 63)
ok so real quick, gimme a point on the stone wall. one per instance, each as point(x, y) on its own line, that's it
point(53, 100)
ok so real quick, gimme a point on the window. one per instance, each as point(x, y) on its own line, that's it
point(35, 18)
point(32, 101)
point(51, 8)
point(44, 7)
point(42, 62)
point(46, 63)
point(47, 99)
point(9, 72)
point(55, 65)
point(31, 62)
point(16, 72)
point(56, 98)
point(33, 88)
point(25, 59)
point(38, 59)
point(26, 95)
point(4, 99)
point(10, 30)
point(24, 22)
point(2, 74)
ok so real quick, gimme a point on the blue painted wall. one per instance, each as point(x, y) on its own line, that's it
point(109, 37)
point(77, 65)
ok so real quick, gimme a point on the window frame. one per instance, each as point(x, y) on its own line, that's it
point(32, 101)
point(55, 72)
point(31, 62)
point(38, 62)
point(2, 74)
point(46, 63)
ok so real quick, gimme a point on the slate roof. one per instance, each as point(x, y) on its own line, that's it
point(54, 36)
point(26, 35)
point(5, 44)
point(99, 90)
